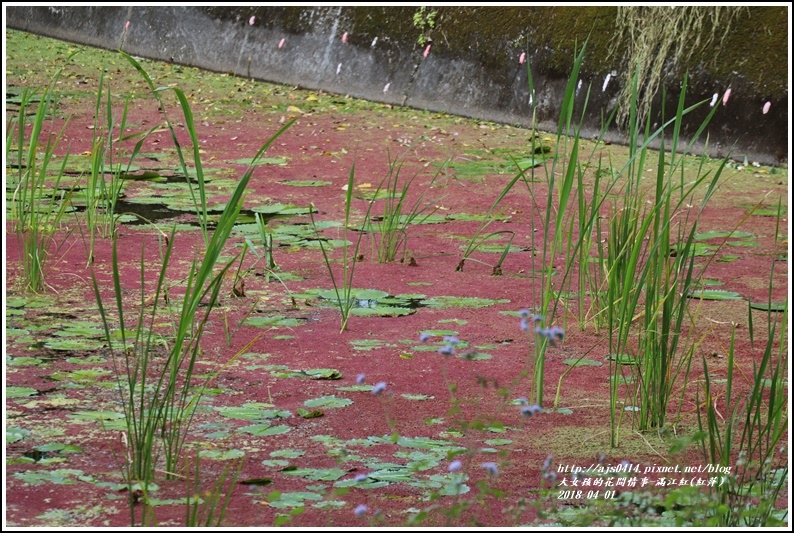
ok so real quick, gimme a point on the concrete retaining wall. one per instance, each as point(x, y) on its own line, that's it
point(472, 67)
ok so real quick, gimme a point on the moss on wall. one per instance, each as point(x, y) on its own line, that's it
point(755, 48)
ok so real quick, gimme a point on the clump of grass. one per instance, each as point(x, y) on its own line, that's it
point(344, 290)
point(38, 202)
point(397, 215)
point(755, 424)
point(157, 389)
point(102, 194)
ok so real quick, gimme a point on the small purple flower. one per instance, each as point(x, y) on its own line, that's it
point(447, 350)
point(424, 337)
point(361, 477)
point(550, 475)
point(547, 462)
point(531, 410)
point(378, 388)
point(491, 468)
point(601, 458)
point(524, 313)
point(524, 324)
point(537, 318)
point(361, 510)
point(554, 334)
point(451, 340)
point(360, 379)
point(454, 466)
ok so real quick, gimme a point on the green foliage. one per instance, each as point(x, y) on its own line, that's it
point(38, 203)
point(424, 20)
point(397, 215)
point(157, 395)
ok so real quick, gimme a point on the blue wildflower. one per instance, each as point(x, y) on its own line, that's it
point(451, 340)
point(361, 477)
point(360, 379)
point(447, 350)
point(424, 337)
point(531, 410)
point(378, 388)
point(454, 466)
point(491, 468)
point(361, 510)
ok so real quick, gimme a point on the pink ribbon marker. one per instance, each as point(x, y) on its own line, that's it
point(251, 21)
point(281, 43)
point(521, 59)
point(725, 98)
point(427, 50)
point(344, 38)
point(766, 107)
point(127, 26)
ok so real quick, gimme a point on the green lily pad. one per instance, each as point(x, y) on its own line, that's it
point(381, 310)
point(265, 430)
point(275, 463)
point(417, 397)
point(221, 455)
point(327, 402)
point(461, 301)
point(20, 392)
point(356, 388)
point(356, 294)
point(289, 453)
point(440, 333)
point(723, 235)
point(86, 375)
point(64, 476)
point(272, 321)
point(282, 500)
point(581, 362)
point(323, 373)
point(97, 415)
point(623, 359)
point(16, 434)
point(474, 355)
point(329, 504)
point(23, 361)
point(74, 344)
point(766, 306)
point(90, 360)
point(714, 294)
point(252, 411)
point(282, 209)
point(81, 331)
point(368, 344)
point(316, 474)
point(498, 442)
point(280, 161)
